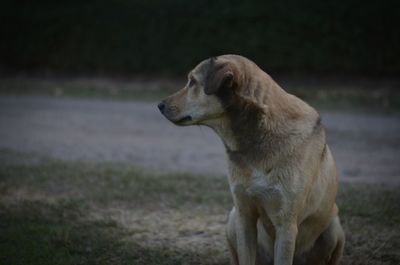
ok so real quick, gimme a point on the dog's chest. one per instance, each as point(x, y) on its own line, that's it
point(260, 190)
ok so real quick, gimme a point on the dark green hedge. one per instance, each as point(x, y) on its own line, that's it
point(160, 36)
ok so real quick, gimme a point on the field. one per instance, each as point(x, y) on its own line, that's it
point(79, 182)
point(92, 173)
point(57, 212)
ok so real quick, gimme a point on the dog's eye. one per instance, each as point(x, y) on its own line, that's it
point(191, 82)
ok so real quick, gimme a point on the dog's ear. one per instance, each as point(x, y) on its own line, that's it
point(218, 77)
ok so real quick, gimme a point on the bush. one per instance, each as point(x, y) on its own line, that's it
point(122, 36)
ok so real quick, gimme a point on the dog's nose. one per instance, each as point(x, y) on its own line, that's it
point(161, 106)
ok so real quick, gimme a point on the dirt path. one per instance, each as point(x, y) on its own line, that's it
point(366, 146)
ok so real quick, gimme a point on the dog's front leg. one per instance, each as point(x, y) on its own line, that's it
point(285, 244)
point(246, 235)
point(246, 227)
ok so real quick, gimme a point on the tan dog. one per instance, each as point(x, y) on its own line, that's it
point(282, 174)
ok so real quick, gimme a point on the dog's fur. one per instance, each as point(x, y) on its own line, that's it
point(282, 174)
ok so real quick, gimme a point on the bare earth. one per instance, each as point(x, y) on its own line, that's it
point(366, 146)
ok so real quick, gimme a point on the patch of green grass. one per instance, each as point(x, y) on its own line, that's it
point(142, 90)
point(370, 215)
point(358, 200)
point(355, 100)
point(55, 212)
point(348, 94)
point(324, 94)
point(57, 234)
point(107, 183)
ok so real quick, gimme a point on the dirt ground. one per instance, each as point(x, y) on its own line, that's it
point(366, 146)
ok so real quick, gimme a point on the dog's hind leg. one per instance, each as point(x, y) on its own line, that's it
point(328, 248)
point(338, 251)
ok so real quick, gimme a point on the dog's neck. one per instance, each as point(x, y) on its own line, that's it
point(222, 128)
point(244, 131)
point(248, 130)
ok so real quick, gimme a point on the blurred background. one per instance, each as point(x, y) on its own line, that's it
point(90, 171)
point(123, 37)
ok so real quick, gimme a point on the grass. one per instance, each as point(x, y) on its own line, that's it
point(56, 212)
point(138, 89)
point(43, 233)
point(325, 94)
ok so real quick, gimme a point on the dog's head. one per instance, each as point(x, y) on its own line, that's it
point(209, 89)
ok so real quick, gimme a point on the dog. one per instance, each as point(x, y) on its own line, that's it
point(282, 175)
